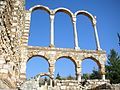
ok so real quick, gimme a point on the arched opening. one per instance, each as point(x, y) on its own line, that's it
point(90, 69)
point(44, 79)
point(63, 31)
point(39, 28)
point(35, 66)
point(85, 30)
point(65, 69)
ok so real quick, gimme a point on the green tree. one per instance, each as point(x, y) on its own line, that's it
point(95, 74)
point(85, 76)
point(70, 77)
point(58, 76)
point(113, 67)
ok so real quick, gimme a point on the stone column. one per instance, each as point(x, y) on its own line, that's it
point(103, 77)
point(51, 71)
point(103, 72)
point(96, 34)
point(78, 74)
point(75, 33)
point(52, 30)
point(78, 70)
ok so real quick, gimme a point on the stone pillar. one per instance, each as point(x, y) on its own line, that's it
point(24, 59)
point(78, 74)
point(51, 71)
point(75, 33)
point(23, 71)
point(78, 70)
point(96, 35)
point(103, 72)
point(103, 77)
point(52, 30)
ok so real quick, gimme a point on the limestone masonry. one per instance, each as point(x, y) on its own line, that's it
point(15, 52)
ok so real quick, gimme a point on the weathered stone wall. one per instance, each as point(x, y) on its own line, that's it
point(115, 86)
point(11, 26)
point(68, 85)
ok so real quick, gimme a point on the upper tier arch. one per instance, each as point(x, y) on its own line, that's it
point(65, 10)
point(86, 13)
point(39, 7)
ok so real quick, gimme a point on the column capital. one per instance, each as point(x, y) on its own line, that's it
point(52, 16)
point(94, 22)
point(74, 19)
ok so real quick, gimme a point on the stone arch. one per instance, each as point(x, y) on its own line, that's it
point(68, 57)
point(45, 74)
point(96, 65)
point(84, 25)
point(36, 7)
point(94, 59)
point(42, 56)
point(93, 21)
point(38, 59)
point(48, 75)
point(71, 59)
point(46, 21)
point(83, 12)
point(65, 10)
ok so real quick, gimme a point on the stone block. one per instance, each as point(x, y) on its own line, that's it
point(5, 66)
point(4, 71)
point(1, 66)
point(71, 84)
point(58, 84)
point(63, 87)
point(2, 61)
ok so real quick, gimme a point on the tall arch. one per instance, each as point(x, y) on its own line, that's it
point(39, 65)
point(85, 30)
point(63, 29)
point(93, 21)
point(39, 29)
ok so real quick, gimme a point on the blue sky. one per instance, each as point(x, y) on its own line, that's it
point(108, 24)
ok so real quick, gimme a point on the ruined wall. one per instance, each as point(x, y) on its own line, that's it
point(68, 85)
point(11, 26)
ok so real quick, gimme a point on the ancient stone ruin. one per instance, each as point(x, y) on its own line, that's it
point(15, 52)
